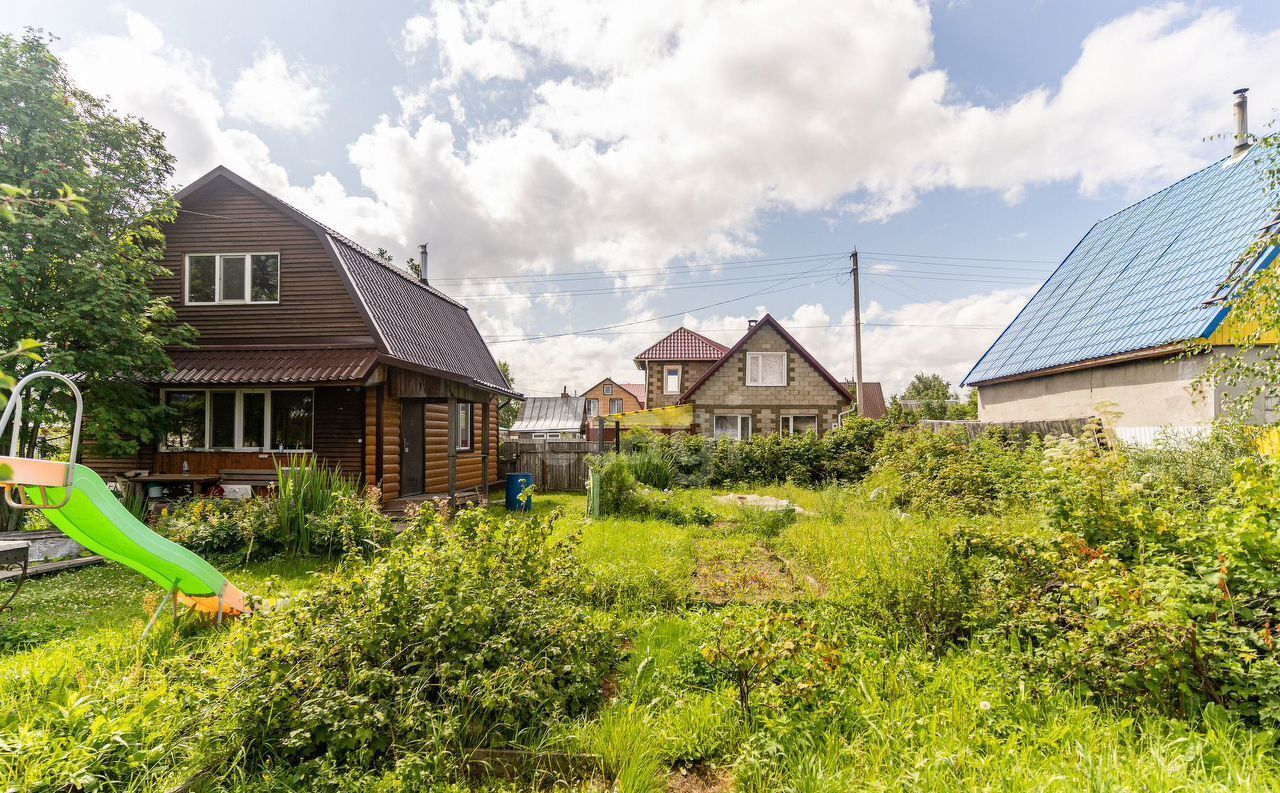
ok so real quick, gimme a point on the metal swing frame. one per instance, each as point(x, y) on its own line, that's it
point(47, 468)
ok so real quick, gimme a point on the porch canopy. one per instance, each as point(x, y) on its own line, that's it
point(672, 417)
point(313, 366)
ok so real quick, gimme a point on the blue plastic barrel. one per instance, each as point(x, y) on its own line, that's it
point(516, 484)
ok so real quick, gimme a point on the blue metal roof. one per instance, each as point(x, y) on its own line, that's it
point(1139, 279)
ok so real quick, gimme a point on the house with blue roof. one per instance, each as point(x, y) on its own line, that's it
point(1106, 333)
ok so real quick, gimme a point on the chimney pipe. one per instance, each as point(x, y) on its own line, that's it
point(422, 263)
point(1242, 122)
point(751, 323)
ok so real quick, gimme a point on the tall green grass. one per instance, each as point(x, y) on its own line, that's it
point(304, 490)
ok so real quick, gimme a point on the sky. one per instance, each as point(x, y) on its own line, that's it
point(591, 175)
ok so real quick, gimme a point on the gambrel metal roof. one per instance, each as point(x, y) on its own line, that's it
point(1140, 278)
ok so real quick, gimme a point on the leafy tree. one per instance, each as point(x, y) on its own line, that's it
point(1252, 371)
point(928, 388)
point(930, 392)
point(508, 414)
point(81, 242)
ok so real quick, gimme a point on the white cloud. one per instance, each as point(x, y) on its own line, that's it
point(626, 134)
point(274, 94)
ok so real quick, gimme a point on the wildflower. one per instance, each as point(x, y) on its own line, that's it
point(984, 705)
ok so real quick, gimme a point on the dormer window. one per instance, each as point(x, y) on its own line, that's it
point(213, 278)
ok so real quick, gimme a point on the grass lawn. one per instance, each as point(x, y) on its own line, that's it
point(110, 597)
point(906, 715)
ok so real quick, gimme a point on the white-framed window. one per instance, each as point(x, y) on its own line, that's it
point(797, 425)
point(1270, 407)
point(733, 426)
point(278, 419)
point(671, 380)
point(593, 408)
point(466, 429)
point(615, 406)
point(539, 436)
point(213, 278)
point(766, 368)
point(608, 389)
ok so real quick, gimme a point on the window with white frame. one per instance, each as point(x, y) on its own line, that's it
point(1271, 407)
point(608, 389)
point(466, 428)
point(734, 426)
point(671, 380)
point(213, 278)
point(766, 368)
point(240, 419)
point(593, 408)
point(797, 425)
point(615, 405)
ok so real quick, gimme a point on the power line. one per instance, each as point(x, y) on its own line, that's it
point(681, 313)
point(956, 326)
point(931, 275)
point(569, 275)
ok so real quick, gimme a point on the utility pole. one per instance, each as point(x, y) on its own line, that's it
point(857, 332)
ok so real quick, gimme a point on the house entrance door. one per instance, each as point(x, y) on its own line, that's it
point(411, 447)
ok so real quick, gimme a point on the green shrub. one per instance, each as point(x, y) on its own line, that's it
point(652, 468)
point(351, 522)
point(304, 490)
point(621, 495)
point(465, 635)
point(842, 454)
point(219, 526)
point(935, 472)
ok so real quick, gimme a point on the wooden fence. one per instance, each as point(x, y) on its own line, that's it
point(559, 466)
point(1017, 428)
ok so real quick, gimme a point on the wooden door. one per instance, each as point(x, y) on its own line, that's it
point(412, 455)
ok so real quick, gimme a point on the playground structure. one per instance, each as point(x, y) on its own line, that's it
point(76, 500)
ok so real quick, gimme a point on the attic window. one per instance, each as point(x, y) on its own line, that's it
point(213, 278)
point(766, 368)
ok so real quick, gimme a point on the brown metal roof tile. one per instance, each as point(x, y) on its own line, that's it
point(213, 367)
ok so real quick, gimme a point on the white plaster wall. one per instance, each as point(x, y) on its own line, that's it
point(1150, 393)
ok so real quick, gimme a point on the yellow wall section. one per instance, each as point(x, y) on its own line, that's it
point(1231, 333)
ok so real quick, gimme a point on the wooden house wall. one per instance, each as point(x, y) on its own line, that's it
point(314, 301)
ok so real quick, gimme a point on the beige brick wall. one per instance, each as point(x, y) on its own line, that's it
point(690, 371)
point(806, 393)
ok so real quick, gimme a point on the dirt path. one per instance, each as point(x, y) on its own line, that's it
point(742, 569)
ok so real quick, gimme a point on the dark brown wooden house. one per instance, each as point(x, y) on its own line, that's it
point(310, 344)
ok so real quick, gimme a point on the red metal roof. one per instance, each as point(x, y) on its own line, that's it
point(270, 367)
point(637, 391)
point(683, 344)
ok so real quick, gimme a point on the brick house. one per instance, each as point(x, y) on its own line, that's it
point(674, 362)
point(609, 396)
point(766, 383)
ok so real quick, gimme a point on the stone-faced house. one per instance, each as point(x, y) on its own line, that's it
point(674, 362)
point(765, 383)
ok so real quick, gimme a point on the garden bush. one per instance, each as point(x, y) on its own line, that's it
point(622, 495)
point(465, 635)
point(842, 454)
point(940, 472)
point(1144, 599)
point(222, 526)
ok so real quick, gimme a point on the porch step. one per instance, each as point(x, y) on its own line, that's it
point(47, 568)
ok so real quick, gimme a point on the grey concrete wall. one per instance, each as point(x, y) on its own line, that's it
point(1154, 392)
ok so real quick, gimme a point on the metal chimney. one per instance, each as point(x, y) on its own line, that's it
point(751, 323)
point(422, 262)
point(1242, 122)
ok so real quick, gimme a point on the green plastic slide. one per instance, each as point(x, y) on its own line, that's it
point(96, 519)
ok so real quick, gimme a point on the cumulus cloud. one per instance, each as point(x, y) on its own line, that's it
point(274, 94)
point(626, 135)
